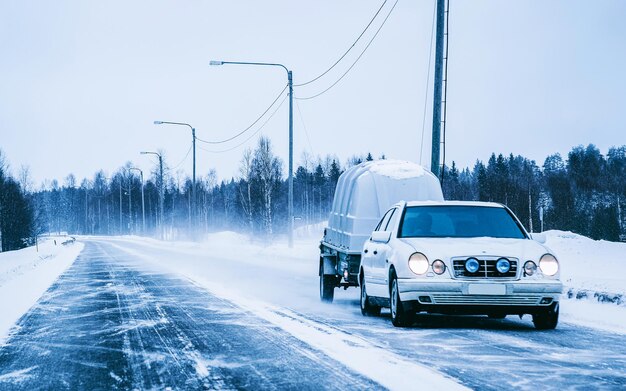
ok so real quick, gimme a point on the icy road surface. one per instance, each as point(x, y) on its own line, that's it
point(108, 323)
point(123, 318)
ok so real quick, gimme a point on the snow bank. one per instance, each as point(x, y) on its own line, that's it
point(26, 274)
point(587, 265)
point(594, 278)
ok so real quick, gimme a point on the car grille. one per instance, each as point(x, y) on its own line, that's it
point(487, 269)
point(485, 300)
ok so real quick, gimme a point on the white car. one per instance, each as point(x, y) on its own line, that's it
point(453, 257)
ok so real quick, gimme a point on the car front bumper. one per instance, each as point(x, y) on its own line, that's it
point(530, 293)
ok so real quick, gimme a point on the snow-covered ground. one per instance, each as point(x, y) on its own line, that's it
point(590, 265)
point(26, 274)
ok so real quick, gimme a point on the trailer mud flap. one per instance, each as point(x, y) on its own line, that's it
point(330, 265)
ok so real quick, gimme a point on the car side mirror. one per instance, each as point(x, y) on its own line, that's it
point(539, 237)
point(381, 236)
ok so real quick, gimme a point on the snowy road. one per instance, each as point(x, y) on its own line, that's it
point(118, 319)
point(109, 324)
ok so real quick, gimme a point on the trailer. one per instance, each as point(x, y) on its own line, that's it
point(364, 192)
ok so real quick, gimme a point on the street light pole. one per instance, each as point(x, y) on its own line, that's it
point(143, 203)
point(193, 185)
point(290, 180)
point(130, 211)
point(161, 191)
point(290, 198)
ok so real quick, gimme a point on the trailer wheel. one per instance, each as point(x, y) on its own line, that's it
point(327, 286)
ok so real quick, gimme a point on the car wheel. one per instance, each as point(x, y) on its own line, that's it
point(399, 317)
point(548, 319)
point(327, 287)
point(367, 308)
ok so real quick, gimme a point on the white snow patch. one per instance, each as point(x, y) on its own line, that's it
point(26, 274)
point(200, 366)
point(17, 376)
point(396, 169)
point(115, 377)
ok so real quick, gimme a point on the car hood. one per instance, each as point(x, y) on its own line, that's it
point(446, 248)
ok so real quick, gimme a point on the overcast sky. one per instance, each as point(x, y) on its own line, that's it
point(81, 82)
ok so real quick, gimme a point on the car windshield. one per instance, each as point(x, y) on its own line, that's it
point(459, 222)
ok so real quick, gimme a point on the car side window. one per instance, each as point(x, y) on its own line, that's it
point(384, 221)
point(392, 220)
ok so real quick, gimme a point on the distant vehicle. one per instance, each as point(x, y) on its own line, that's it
point(454, 257)
point(364, 192)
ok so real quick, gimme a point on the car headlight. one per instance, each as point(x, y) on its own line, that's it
point(439, 267)
point(549, 265)
point(418, 263)
point(503, 265)
point(530, 268)
point(472, 265)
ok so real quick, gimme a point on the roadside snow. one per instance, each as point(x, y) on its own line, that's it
point(26, 274)
point(587, 264)
point(602, 316)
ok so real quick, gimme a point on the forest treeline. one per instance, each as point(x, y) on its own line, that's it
point(584, 192)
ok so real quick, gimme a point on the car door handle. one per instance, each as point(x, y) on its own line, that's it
point(375, 252)
point(365, 251)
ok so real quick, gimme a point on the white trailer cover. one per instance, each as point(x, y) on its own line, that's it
point(366, 191)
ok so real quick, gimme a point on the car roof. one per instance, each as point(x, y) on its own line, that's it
point(454, 203)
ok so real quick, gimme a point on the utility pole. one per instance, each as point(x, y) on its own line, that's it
point(290, 202)
point(530, 209)
point(193, 185)
point(436, 139)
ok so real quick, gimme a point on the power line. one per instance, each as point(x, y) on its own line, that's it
point(347, 51)
point(306, 132)
point(185, 158)
point(249, 127)
point(253, 134)
point(430, 55)
point(357, 59)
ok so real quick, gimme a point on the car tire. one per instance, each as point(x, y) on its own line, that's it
point(367, 308)
point(327, 287)
point(399, 316)
point(548, 319)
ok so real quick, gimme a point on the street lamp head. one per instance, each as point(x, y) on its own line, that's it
point(158, 122)
point(213, 62)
